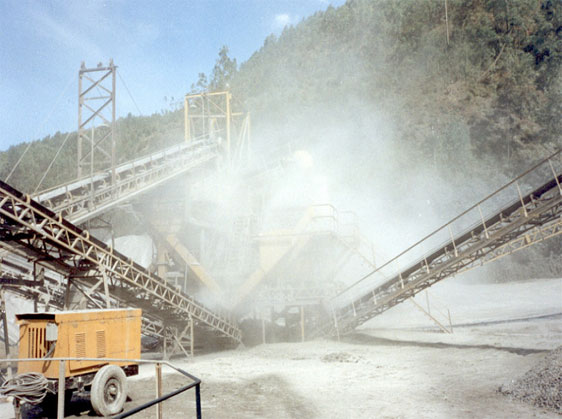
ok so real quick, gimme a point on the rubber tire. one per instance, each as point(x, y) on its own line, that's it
point(110, 378)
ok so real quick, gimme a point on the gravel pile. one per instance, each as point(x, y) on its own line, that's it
point(541, 385)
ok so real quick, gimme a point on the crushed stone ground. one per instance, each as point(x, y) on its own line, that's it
point(541, 385)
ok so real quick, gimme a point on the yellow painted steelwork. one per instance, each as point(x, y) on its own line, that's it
point(210, 115)
point(78, 334)
point(191, 261)
point(273, 247)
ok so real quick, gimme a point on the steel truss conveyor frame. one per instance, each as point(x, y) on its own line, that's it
point(36, 230)
point(86, 198)
point(51, 293)
point(529, 219)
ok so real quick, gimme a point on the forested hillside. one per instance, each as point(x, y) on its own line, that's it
point(409, 102)
point(481, 79)
point(136, 135)
point(416, 111)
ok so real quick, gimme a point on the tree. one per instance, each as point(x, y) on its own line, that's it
point(201, 85)
point(223, 72)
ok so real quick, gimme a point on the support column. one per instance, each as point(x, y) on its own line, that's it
point(96, 94)
point(158, 390)
point(5, 327)
point(105, 286)
point(61, 390)
point(191, 337)
point(228, 140)
point(162, 262)
point(302, 323)
point(67, 294)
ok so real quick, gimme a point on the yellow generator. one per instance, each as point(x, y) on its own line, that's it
point(99, 334)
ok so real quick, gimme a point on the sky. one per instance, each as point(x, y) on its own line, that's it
point(158, 46)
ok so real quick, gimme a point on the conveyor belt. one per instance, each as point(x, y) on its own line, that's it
point(49, 291)
point(530, 218)
point(28, 228)
point(86, 198)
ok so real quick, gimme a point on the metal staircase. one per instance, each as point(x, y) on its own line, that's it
point(35, 232)
point(529, 218)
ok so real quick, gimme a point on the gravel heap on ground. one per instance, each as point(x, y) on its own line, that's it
point(541, 385)
point(340, 357)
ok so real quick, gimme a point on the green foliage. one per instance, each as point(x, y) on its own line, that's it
point(497, 81)
point(135, 136)
point(491, 94)
point(223, 72)
point(201, 85)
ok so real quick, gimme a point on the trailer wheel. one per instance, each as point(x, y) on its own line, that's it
point(109, 390)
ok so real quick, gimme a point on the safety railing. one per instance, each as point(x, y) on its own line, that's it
point(317, 218)
point(67, 188)
point(293, 295)
point(521, 213)
point(477, 217)
point(59, 235)
point(344, 226)
point(61, 381)
point(89, 197)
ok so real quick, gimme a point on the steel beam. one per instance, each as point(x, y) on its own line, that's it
point(529, 219)
point(54, 236)
point(87, 198)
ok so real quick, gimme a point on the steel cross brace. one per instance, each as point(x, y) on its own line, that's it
point(59, 234)
point(81, 200)
point(421, 280)
point(513, 228)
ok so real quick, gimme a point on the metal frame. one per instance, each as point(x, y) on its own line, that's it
point(52, 293)
point(359, 245)
point(527, 220)
point(210, 114)
point(87, 198)
point(322, 220)
point(47, 288)
point(184, 259)
point(93, 100)
point(39, 232)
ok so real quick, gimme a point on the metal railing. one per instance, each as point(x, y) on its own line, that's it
point(51, 235)
point(86, 198)
point(523, 212)
point(194, 383)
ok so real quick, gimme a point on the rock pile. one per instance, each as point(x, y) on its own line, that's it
point(541, 385)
